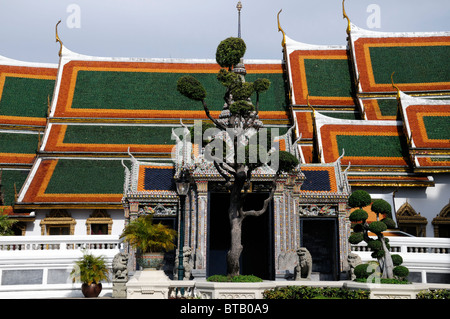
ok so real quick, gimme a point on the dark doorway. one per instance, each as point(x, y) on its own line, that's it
point(319, 236)
point(257, 237)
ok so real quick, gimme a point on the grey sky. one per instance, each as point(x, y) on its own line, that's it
point(193, 29)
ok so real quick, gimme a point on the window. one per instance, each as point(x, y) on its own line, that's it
point(441, 223)
point(58, 222)
point(99, 223)
point(411, 222)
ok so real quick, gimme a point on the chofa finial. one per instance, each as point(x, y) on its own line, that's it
point(58, 39)
point(346, 17)
point(283, 43)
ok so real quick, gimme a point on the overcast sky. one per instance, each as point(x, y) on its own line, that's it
point(194, 28)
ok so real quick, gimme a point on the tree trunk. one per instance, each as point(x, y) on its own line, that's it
point(234, 254)
point(386, 263)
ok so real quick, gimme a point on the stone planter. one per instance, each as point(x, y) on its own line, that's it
point(150, 260)
point(387, 291)
point(232, 290)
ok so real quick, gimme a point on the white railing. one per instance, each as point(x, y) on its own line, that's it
point(32, 266)
point(22, 243)
point(420, 254)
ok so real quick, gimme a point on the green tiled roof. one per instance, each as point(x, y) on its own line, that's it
point(411, 64)
point(437, 127)
point(25, 97)
point(328, 77)
point(80, 176)
point(372, 145)
point(15, 142)
point(9, 178)
point(116, 134)
point(158, 91)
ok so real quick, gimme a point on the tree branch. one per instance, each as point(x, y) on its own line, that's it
point(266, 202)
point(216, 123)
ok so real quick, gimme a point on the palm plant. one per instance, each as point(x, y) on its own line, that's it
point(90, 269)
point(142, 233)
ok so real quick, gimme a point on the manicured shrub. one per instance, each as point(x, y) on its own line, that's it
point(380, 206)
point(389, 222)
point(358, 215)
point(356, 238)
point(363, 270)
point(397, 259)
point(377, 227)
point(375, 244)
point(230, 51)
point(401, 272)
point(191, 88)
point(359, 198)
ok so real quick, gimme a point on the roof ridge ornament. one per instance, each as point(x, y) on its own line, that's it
point(346, 17)
point(58, 39)
point(283, 43)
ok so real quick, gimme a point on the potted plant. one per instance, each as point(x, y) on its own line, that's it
point(151, 241)
point(90, 270)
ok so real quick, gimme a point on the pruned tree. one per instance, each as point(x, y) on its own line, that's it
point(246, 144)
point(389, 264)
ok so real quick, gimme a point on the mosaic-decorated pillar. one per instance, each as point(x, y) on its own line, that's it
point(344, 233)
point(199, 229)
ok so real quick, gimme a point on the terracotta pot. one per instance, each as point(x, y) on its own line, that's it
point(150, 260)
point(92, 290)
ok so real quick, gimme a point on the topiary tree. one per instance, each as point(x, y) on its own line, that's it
point(380, 247)
point(238, 125)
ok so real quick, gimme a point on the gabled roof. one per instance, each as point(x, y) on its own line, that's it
point(427, 128)
point(322, 72)
point(376, 55)
point(134, 88)
point(374, 145)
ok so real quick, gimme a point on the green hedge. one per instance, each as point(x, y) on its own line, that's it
point(434, 294)
point(304, 292)
point(240, 278)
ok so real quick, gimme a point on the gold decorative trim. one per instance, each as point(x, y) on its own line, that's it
point(280, 29)
point(58, 39)
point(346, 17)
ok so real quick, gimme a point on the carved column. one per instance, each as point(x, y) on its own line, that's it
point(201, 231)
point(344, 229)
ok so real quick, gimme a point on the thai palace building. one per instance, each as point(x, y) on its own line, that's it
point(88, 144)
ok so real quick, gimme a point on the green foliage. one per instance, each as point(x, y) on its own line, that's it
point(377, 227)
point(375, 244)
point(240, 278)
point(90, 269)
point(227, 78)
point(397, 259)
point(286, 161)
point(365, 270)
point(389, 222)
point(401, 272)
point(242, 108)
point(380, 206)
point(304, 292)
point(261, 85)
point(359, 198)
point(230, 51)
point(358, 215)
point(242, 91)
point(434, 294)
point(142, 233)
point(191, 88)
point(356, 238)
point(6, 224)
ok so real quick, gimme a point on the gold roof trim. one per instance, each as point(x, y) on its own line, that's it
point(280, 29)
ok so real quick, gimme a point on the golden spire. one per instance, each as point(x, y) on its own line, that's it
point(58, 39)
point(283, 43)
point(346, 17)
point(394, 85)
